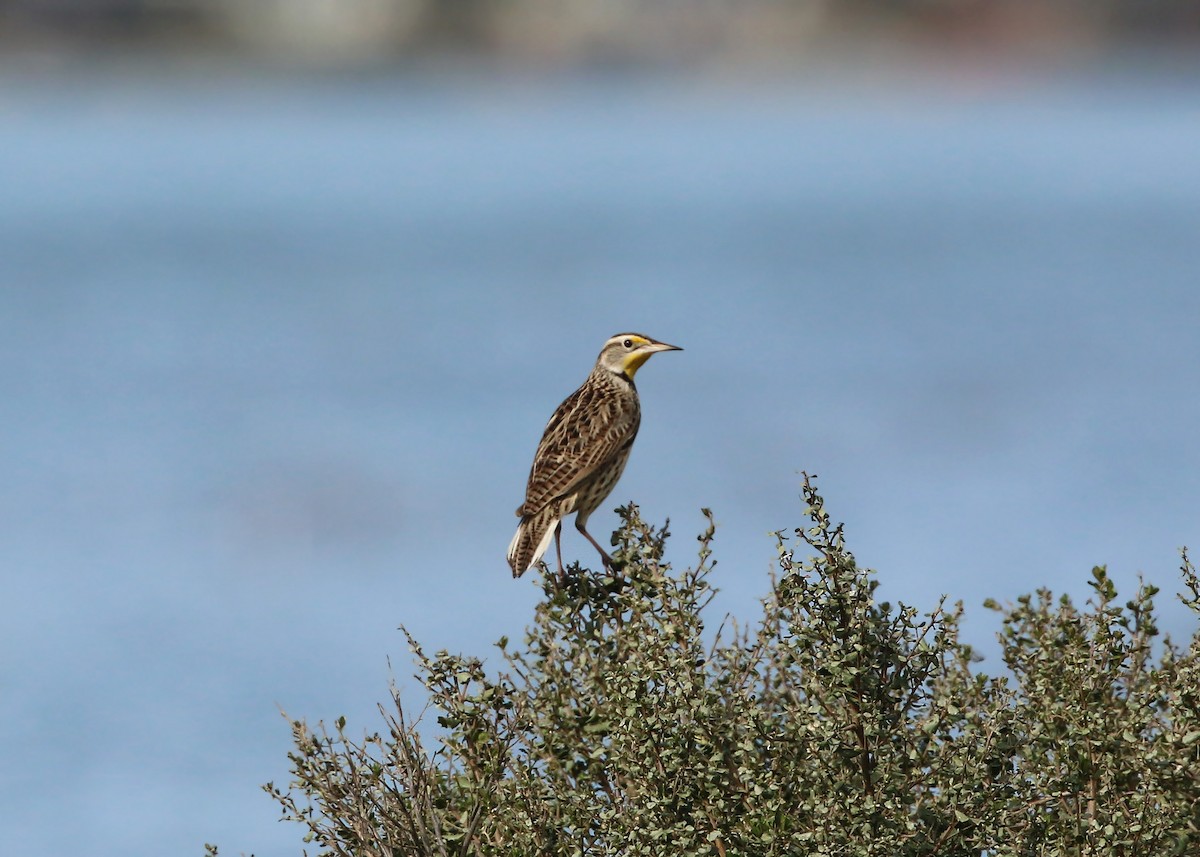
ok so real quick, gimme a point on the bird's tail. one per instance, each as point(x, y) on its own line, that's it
point(532, 539)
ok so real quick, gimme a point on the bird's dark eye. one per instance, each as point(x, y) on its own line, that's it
point(628, 343)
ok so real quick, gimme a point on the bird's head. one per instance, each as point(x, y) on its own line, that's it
point(624, 353)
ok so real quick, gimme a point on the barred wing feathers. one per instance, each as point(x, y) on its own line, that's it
point(589, 428)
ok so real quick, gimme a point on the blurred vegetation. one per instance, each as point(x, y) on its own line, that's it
point(838, 724)
point(570, 30)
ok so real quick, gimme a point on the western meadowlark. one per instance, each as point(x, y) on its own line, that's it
point(583, 451)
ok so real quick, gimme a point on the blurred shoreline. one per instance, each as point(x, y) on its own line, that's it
point(574, 33)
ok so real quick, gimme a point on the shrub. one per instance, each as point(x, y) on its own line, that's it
point(838, 725)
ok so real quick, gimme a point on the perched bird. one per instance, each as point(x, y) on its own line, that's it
point(583, 451)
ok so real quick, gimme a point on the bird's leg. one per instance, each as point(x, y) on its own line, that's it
point(562, 574)
point(608, 563)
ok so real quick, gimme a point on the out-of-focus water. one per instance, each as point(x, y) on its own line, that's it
point(276, 354)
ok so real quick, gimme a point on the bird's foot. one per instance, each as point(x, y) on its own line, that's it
point(615, 567)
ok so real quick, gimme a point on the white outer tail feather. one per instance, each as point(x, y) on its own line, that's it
point(542, 547)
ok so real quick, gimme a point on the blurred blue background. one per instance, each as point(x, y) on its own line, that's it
point(285, 307)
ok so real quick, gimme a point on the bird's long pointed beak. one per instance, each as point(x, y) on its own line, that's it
point(662, 346)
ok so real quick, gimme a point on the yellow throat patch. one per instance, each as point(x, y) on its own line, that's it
point(634, 361)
